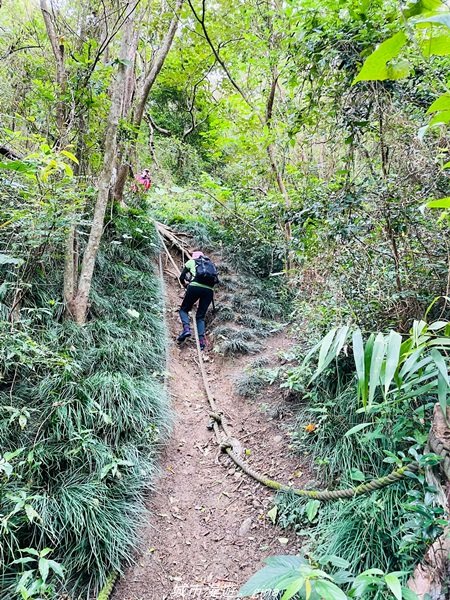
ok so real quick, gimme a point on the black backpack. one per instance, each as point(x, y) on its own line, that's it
point(205, 272)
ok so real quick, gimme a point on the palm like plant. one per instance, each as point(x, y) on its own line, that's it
point(387, 364)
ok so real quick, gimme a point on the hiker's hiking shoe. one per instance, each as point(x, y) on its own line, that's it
point(202, 341)
point(184, 334)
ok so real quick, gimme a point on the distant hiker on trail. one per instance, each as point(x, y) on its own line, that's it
point(145, 179)
point(199, 277)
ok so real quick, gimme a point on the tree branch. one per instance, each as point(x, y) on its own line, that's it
point(201, 21)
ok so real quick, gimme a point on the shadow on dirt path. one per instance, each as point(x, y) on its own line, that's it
point(208, 528)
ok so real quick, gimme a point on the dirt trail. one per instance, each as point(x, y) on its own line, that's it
point(209, 529)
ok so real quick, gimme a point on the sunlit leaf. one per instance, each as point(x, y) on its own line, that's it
point(393, 583)
point(329, 590)
point(435, 45)
point(356, 428)
point(440, 18)
point(392, 358)
point(293, 588)
point(379, 347)
point(376, 67)
point(311, 509)
point(419, 7)
point(441, 203)
point(71, 156)
point(442, 116)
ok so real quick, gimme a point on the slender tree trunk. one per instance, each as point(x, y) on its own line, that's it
point(61, 80)
point(149, 80)
point(78, 306)
point(129, 91)
point(390, 233)
point(61, 75)
point(156, 65)
point(70, 267)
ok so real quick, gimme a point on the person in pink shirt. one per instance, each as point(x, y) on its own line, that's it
point(145, 179)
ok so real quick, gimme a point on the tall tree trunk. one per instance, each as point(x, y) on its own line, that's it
point(129, 91)
point(149, 80)
point(61, 75)
point(78, 305)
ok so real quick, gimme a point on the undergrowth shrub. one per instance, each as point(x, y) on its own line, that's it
point(88, 408)
point(389, 529)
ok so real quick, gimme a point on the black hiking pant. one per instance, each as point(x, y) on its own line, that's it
point(204, 297)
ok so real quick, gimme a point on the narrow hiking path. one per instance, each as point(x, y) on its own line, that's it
point(208, 527)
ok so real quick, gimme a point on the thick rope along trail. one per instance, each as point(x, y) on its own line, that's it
point(227, 443)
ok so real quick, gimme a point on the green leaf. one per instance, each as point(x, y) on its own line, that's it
point(278, 574)
point(56, 568)
point(311, 509)
point(439, 361)
point(392, 358)
point(375, 365)
point(340, 340)
point(23, 561)
point(43, 568)
point(328, 590)
point(357, 475)
point(376, 67)
point(440, 18)
point(356, 428)
point(442, 203)
point(5, 259)
point(435, 45)
point(32, 551)
point(334, 560)
point(373, 571)
point(26, 575)
point(442, 116)
point(20, 166)
point(441, 103)
point(410, 362)
point(293, 588)
point(71, 156)
point(358, 354)
point(409, 594)
point(437, 325)
point(442, 394)
point(324, 348)
point(393, 583)
point(421, 6)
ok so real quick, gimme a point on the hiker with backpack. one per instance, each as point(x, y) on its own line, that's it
point(199, 277)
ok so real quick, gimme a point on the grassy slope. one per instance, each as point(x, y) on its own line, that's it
point(97, 410)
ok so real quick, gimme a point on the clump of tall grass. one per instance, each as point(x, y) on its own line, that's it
point(364, 530)
point(250, 384)
point(237, 345)
point(332, 452)
point(224, 313)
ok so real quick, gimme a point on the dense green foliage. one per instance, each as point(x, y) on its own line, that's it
point(308, 143)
